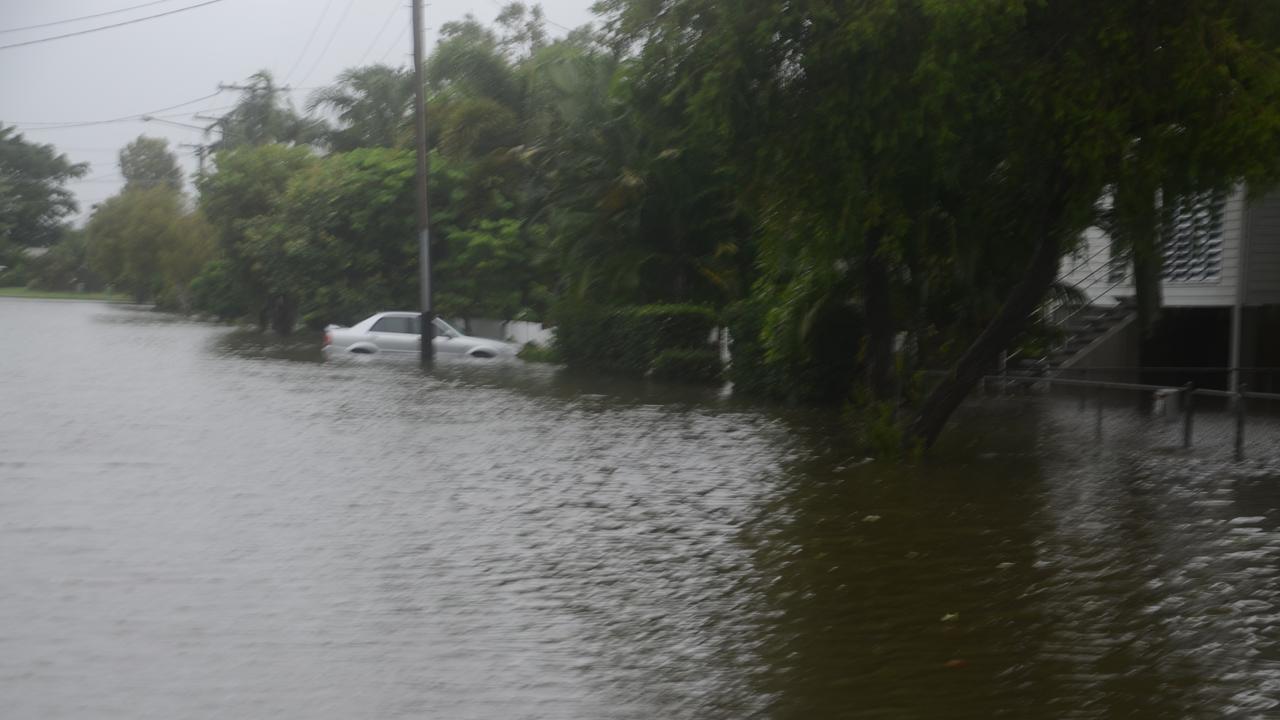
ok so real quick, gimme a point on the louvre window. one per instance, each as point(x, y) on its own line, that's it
point(1192, 236)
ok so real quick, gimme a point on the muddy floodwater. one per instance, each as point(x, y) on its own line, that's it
point(201, 522)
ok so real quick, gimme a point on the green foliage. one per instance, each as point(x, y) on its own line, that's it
point(215, 292)
point(128, 235)
point(687, 365)
point(63, 268)
point(146, 163)
point(33, 199)
point(373, 105)
point(926, 161)
point(533, 352)
point(261, 118)
point(628, 340)
point(247, 185)
point(340, 243)
point(802, 349)
point(145, 241)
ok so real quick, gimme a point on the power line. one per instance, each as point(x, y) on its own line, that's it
point(336, 29)
point(84, 17)
point(310, 38)
point(395, 44)
point(385, 24)
point(59, 125)
point(108, 27)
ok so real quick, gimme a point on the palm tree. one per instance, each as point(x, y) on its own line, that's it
point(373, 105)
point(260, 118)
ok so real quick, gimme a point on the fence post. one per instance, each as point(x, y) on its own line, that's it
point(1188, 412)
point(1240, 415)
point(1098, 393)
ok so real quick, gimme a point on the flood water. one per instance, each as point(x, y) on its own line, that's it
point(198, 522)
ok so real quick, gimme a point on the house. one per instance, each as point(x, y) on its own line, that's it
point(1221, 297)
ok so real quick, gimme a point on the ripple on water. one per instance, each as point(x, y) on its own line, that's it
point(200, 522)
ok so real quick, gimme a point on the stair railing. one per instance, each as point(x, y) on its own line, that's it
point(1082, 288)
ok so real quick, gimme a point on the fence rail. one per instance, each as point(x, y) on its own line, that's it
point(1186, 393)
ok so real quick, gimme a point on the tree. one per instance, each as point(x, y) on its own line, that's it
point(130, 233)
point(373, 105)
point(260, 118)
point(146, 162)
point(33, 196)
point(247, 183)
point(339, 242)
point(914, 142)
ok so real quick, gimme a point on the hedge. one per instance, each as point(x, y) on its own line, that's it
point(628, 340)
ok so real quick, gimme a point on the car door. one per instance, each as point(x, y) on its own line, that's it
point(394, 334)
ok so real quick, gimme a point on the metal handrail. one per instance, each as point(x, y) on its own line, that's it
point(1174, 368)
point(1105, 266)
point(1109, 385)
point(1091, 303)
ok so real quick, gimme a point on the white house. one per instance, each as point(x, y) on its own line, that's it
point(1221, 291)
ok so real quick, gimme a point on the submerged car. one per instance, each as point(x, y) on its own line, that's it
point(401, 332)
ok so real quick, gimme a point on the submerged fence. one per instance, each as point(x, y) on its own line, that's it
point(1159, 396)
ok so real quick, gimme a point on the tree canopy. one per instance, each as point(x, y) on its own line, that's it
point(34, 199)
point(866, 188)
point(146, 162)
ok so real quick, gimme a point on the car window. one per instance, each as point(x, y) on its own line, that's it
point(393, 325)
point(445, 329)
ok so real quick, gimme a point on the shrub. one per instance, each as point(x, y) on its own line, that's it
point(810, 356)
point(749, 369)
point(627, 340)
point(215, 292)
point(533, 352)
point(686, 365)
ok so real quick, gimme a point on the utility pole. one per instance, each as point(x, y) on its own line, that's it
point(424, 216)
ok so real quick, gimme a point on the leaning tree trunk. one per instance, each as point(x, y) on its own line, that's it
point(996, 337)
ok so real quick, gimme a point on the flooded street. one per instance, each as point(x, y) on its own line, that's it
point(197, 522)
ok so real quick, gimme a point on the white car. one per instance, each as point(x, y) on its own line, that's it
point(400, 332)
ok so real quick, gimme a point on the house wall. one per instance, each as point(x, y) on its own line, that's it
point(1087, 268)
point(1262, 277)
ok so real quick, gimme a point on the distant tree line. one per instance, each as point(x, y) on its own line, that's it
point(860, 189)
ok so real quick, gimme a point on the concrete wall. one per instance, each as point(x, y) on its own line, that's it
point(1118, 348)
point(516, 331)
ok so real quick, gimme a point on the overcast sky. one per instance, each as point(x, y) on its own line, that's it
point(165, 61)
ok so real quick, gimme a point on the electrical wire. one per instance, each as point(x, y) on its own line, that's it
point(108, 27)
point(125, 118)
point(307, 46)
point(84, 17)
point(336, 29)
point(396, 8)
point(395, 44)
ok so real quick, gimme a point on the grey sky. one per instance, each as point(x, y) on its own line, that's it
point(159, 63)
